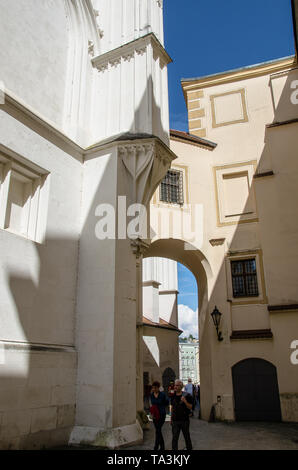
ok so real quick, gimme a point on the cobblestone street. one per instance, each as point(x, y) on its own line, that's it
point(230, 436)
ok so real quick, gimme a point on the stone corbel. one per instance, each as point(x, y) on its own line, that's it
point(146, 163)
point(139, 247)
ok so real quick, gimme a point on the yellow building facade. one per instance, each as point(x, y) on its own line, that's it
point(235, 227)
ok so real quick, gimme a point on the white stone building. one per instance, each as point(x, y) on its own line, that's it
point(84, 134)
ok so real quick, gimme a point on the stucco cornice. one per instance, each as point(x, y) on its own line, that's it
point(193, 84)
point(162, 150)
point(32, 119)
point(127, 51)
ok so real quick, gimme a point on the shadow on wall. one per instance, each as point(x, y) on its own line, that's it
point(38, 379)
point(160, 353)
point(273, 241)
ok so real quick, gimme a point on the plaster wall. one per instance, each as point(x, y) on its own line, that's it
point(160, 352)
point(125, 21)
point(272, 235)
point(95, 298)
point(38, 298)
point(35, 49)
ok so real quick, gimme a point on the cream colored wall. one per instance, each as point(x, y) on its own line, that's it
point(269, 232)
point(162, 352)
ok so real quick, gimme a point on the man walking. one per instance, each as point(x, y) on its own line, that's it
point(180, 409)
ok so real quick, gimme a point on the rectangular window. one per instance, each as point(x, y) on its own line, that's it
point(244, 278)
point(171, 187)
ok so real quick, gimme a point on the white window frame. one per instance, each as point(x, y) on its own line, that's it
point(33, 220)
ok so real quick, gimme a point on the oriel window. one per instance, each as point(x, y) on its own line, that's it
point(244, 278)
point(171, 188)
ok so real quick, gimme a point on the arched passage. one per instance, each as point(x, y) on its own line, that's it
point(196, 262)
point(256, 394)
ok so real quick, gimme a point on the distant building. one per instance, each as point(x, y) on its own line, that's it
point(189, 361)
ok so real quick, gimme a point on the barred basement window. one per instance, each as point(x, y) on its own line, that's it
point(244, 278)
point(171, 188)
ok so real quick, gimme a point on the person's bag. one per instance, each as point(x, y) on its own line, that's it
point(154, 411)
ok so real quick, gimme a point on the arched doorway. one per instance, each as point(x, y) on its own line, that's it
point(194, 260)
point(256, 394)
point(168, 376)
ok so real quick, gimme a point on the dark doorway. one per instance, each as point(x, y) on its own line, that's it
point(256, 393)
point(167, 376)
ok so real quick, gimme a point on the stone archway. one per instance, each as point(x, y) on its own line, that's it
point(193, 259)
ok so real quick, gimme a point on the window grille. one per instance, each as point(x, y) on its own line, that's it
point(244, 278)
point(171, 188)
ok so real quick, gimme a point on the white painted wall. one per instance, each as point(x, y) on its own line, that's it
point(160, 302)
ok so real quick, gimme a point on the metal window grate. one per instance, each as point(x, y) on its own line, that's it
point(171, 187)
point(244, 278)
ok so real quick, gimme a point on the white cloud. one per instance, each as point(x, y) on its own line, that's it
point(188, 321)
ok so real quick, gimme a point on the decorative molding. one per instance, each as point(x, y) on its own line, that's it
point(283, 123)
point(283, 308)
point(138, 46)
point(141, 51)
point(218, 172)
point(33, 120)
point(262, 175)
point(146, 162)
point(115, 62)
point(167, 292)
point(99, 30)
point(252, 334)
point(245, 252)
point(217, 241)
point(45, 128)
point(139, 247)
point(196, 84)
point(36, 347)
point(240, 92)
point(154, 284)
point(91, 48)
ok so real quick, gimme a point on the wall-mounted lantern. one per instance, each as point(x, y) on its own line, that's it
point(216, 316)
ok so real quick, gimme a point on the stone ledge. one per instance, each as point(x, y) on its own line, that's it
point(263, 175)
point(283, 308)
point(115, 438)
point(251, 334)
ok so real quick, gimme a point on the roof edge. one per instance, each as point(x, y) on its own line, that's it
point(241, 73)
point(192, 139)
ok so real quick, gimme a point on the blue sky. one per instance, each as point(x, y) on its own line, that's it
point(210, 36)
